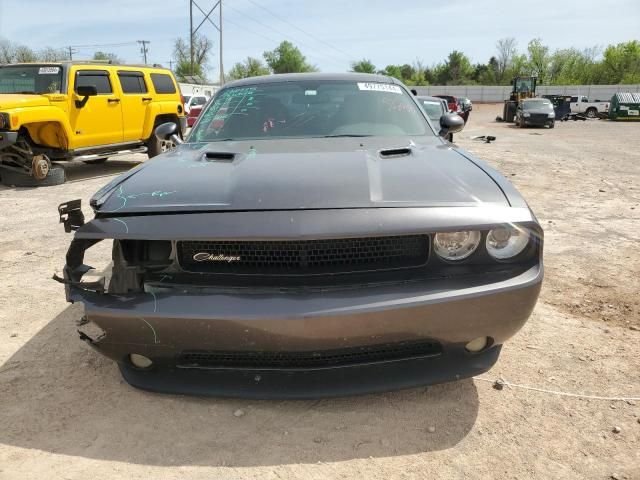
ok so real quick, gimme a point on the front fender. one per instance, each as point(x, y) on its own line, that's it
point(46, 125)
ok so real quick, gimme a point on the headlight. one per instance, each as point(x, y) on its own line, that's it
point(552, 115)
point(507, 242)
point(456, 245)
point(526, 114)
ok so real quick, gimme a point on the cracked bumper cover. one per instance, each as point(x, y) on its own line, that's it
point(162, 325)
point(171, 320)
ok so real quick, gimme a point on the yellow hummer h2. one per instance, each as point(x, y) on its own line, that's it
point(51, 112)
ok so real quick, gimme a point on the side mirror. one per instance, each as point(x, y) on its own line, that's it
point(167, 132)
point(450, 123)
point(415, 92)
point(85, 91)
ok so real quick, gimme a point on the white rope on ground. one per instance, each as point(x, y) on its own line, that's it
point(501, 381)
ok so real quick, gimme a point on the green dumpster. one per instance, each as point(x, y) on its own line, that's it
point(625, 106)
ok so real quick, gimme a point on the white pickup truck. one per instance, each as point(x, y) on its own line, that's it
point(581, 104)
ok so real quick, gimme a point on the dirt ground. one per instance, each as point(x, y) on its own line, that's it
point(65, 412)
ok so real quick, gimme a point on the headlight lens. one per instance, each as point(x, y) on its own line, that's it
point(456, 245)
point(552, 115)
point(526, 114)
point(507, 242)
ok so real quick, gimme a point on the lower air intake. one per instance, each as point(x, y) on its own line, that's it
point(308, 359)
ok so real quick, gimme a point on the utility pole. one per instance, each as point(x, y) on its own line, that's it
point(193, 31)
point(144, 50)
point(71, 52)
point(220, 30)
point(191, 34)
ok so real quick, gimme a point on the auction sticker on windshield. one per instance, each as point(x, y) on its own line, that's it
point(379, 87)
point(45, 70)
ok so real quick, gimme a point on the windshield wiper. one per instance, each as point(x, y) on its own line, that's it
point(345, 135)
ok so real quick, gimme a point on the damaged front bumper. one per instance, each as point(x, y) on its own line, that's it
point(387, 336)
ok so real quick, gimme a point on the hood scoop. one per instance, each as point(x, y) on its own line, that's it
point(220, 156)
point(395, 152)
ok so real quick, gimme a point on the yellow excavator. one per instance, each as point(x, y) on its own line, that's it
point(523, 87)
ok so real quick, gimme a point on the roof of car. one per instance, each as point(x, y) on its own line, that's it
point(293, 77)
point(430, 99)
point(88, 63)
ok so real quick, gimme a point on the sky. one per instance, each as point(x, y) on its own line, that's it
point(330, 33)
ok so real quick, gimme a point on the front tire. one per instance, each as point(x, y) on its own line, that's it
point(552, 124)
point(55, 176)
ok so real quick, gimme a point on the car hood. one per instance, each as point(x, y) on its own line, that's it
point(302, 174)
point(13, 100)
point(538, 111)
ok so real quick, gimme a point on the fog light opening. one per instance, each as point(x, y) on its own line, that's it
point(477, 344)
point(140, 361)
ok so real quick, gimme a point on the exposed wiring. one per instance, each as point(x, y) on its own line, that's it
point(501, 382)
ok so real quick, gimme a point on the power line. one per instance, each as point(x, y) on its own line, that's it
point(269, 39)
point(317, 39)
point(106, 45)
point(286, 36)
point(322, 54)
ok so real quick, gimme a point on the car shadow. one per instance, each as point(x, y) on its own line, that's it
point(59, 396)
point(79, 171)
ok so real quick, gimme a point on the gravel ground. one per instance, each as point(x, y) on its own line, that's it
point(65, 412)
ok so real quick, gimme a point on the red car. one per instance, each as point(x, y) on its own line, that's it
point(192, 116)
point(452, 102)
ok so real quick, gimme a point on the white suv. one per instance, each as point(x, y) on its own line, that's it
point(193, 100)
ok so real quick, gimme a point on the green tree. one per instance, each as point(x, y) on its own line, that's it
point(538, 59)
point(621, 63)
point(363, 66)
point(24, 54)
point(394, 71)
point(507, 50)
point(182, 57)
point(519, 67)
point(486, 74)
point(420, 74)
point(456, 70)
point(50, 54)
point(251, 67)
point(570, 66)
point(287, 58)
point(107, 57)
point(183, 70)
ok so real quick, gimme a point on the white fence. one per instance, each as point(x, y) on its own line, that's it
point(488, 94)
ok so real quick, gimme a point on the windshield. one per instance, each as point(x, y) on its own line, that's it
point(524, 85)
point(303, 109)
point(187, 98)
point(434, 109)
point(30, 79)
point(537, 104)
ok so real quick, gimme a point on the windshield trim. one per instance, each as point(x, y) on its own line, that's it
point(64, 68)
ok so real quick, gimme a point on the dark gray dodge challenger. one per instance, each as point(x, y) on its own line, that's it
point(313, 236)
